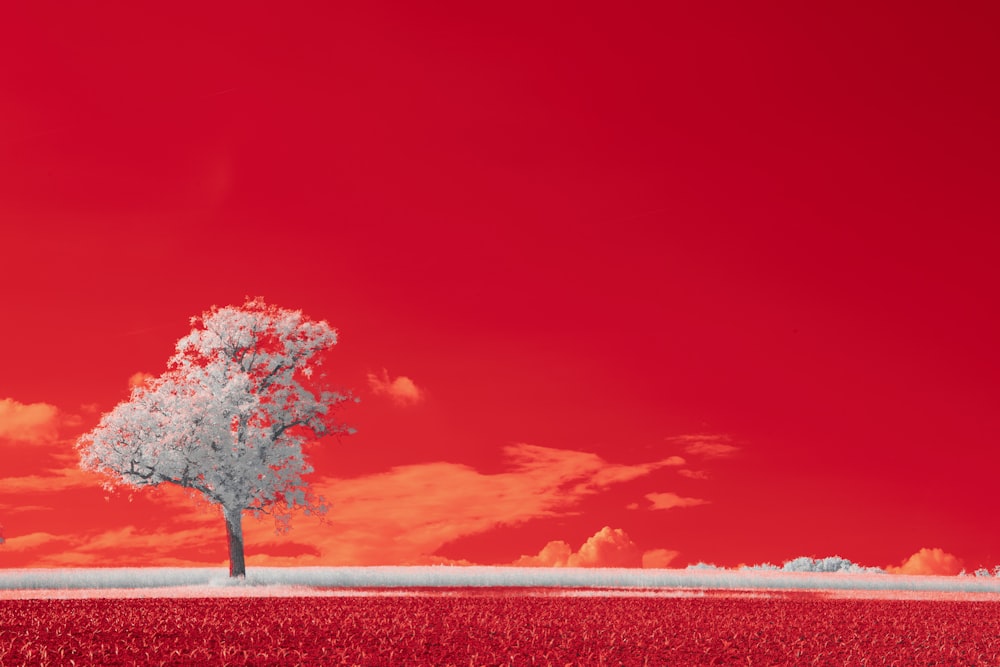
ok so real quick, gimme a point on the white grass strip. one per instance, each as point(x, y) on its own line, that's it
point(269, 581)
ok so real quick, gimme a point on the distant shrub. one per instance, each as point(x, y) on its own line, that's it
point(707, 566)
point(829, 564)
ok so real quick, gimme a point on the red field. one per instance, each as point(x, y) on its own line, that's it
point(476, 629)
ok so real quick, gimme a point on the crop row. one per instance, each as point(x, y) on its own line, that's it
point(466, 630)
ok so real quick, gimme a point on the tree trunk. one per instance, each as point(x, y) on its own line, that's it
point(234, 531)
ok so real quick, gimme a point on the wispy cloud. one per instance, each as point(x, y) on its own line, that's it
point(669, 500)
point(13, 508)
point(401, 389)
point(33, 542)
point(121, 546)
point(404, 515)
point(401, 516)
point(705, 445)
point(58, 479)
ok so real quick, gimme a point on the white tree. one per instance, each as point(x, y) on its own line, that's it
point(229, 418)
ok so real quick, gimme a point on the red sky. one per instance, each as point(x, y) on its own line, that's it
point(761, 239)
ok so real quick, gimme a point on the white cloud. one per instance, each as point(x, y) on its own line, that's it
point(401, 389)
point(554, 554)
point(608, 547)
point(31, 422)
point(669, 500)
point(934, 561)
point(659, 558)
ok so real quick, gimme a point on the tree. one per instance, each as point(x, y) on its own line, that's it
point(229, 418)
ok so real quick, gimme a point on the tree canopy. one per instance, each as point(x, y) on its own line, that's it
point(229, 418)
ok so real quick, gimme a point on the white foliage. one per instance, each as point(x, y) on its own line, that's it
point(830, 564)
point(760, 566)
point(229, 417)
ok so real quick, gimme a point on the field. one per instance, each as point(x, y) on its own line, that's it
point(510, 626)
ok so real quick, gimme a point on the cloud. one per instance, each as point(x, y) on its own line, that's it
point(31, 422)
point(693, 474)
point(60, 479)
point(123, 546)
point(708, 446)
point(10, 508)
point(613, 475)
point(406, 514)
point(928, 561)
point(554, 554)
point(400, 516)
point(31, 542)
point(668, 500)
point(131, 538)
point(659, 558)
point(608, 547)
point(402, 389)
point(139, 379)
